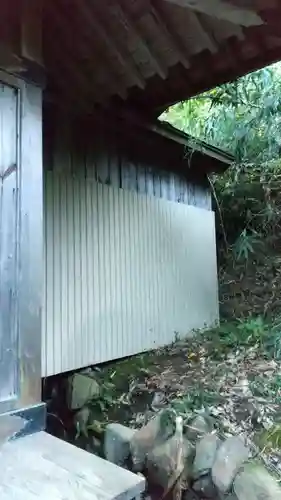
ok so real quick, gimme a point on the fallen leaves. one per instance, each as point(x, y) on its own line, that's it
point(235, 383)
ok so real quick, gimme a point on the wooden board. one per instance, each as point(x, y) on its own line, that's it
point(42, 467)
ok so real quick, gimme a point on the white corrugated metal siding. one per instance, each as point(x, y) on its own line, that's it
point(124, 272)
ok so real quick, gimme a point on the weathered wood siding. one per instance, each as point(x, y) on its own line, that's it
point(144, 164)
point(128, 266)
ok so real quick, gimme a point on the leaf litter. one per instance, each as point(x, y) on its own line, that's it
point(238, 384)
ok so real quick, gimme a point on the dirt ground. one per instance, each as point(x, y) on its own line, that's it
point(237, 384)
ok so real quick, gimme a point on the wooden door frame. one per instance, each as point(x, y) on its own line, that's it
point(27, 402)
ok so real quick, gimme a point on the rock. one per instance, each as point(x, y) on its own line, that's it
point(81, 389)
point(145, 439)
point(255, 483)
point(188, 461)
point(205, 487)
point(189, 495)
point(266, 366)
point(158, 401)
point(117, 441)
point(206, 450)
point(143, 495)
point(81, 420)
point(242, 388)
point(245, 408)
point(94, 445)
point(229, 496)
point(162, 461)
point(198, 427)
point(229, 458)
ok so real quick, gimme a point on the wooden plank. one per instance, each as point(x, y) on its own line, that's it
point(42, 467)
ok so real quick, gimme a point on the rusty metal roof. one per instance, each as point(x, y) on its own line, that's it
point(147, 54)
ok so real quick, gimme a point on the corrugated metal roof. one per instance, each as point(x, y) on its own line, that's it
point(146, 54)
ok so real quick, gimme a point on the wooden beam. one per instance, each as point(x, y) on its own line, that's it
point(31, 30)
point(222, 10)
point(20, 34)
point(10, 27)
point(129, 24)
point(169, 32)
point(9, 61)
point(121, 54)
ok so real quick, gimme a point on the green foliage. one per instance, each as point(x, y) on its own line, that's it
point(271, 438)
point(268, 388)
point(242, 117)
point(245, 244)
point(240, 333)
point(102, 402)
point(264, 335)
point(196, 398)
point(273, 341)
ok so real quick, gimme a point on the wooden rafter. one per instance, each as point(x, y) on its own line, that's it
point(205, 34)
point(114, 47)
point(64, 44)
point(62, 72)
point(169, 32)
point(222, 10)
point(113, 84)
point(129, 24)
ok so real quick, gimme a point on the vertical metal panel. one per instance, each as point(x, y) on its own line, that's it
point(48, 340)
point(64, 270)
point(69, 293)
point(118, 261)
point(57, 275)
point(140, 269)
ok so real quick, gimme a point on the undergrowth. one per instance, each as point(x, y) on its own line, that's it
point(262, 334)
point(119, 379)
point(248, 240)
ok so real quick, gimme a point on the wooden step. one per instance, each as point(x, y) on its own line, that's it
point(42, 467)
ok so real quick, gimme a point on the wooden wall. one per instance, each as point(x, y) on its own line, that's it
point(145, 163)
